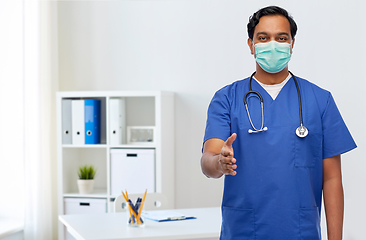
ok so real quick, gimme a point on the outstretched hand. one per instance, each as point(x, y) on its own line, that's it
point(226, 157)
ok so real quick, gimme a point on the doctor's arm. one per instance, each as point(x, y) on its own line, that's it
point(333, 196)
point(218, 157)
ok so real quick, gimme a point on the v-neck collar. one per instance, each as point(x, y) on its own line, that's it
point(265, 95)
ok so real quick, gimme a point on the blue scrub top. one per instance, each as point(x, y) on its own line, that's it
point(277, 191)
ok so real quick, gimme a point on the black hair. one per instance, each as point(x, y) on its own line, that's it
point(271, 10)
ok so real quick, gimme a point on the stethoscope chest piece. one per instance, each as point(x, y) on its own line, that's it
point(302, 131)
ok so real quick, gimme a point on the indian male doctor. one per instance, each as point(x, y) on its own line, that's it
point(277, 138)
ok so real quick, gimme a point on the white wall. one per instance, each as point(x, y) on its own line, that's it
point(193, 48)
point(11, 110)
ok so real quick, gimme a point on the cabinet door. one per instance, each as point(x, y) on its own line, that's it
point(132, 170)
point(85, 205)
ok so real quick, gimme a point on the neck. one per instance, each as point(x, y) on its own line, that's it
point(270, 78)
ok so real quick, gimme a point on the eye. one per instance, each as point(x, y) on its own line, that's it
point(261, 38)
point(282, 39)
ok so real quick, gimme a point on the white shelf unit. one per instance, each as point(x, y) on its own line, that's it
point(150, 108)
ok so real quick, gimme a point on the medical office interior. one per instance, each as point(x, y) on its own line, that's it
point(191, 48)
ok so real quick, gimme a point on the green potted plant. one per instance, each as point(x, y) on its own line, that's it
point(86, 175)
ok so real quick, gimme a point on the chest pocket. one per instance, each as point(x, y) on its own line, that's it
point(308, 150)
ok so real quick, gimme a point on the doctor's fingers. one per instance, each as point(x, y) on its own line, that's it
point(230, 140)
point(230, 172)
point(229, 166)
point(227, 160)
point(227, 152)
point(228, 169)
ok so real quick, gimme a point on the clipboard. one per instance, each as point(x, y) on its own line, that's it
point(165, 216)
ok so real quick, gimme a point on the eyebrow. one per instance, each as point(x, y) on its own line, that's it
point(259, 33)
point(278, 34)
point(283, 33)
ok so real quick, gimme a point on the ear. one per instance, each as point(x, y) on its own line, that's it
point(292, 44)
point(250, 44)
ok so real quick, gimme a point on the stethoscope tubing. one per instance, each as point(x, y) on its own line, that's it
point(261, 100)
point(299, 96)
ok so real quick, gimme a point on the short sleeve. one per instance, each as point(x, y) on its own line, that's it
point(336, 137)
point(218, 123)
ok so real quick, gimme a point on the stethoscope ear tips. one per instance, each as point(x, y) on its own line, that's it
point(256, 131)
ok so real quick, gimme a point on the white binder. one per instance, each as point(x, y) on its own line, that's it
point(132, 170)
point(66, 122)
point(117, 121)
point(78, 122)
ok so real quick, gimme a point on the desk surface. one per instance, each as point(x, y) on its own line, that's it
point(9, 226)
point(114, 226)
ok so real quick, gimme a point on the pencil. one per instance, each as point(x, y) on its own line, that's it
point(129, 207)
point(131, 210)
point(142, 205)
point(134, 213)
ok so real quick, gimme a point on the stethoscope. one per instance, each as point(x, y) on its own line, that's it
point(301, 131)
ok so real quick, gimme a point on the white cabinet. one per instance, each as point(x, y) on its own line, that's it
point(85, 205)
point(121, 111)
point(132, 169)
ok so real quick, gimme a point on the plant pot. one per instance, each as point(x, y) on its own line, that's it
point(85, 186)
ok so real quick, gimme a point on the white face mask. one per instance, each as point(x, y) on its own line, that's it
point(272, 56)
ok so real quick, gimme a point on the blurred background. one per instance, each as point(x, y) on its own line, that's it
point(189, 47)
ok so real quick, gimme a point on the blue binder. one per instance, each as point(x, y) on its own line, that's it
point(92, 121)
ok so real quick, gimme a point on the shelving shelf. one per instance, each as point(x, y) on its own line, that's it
point(85, 146)
point(132, 146)
point(143, 108)
point(97, 193)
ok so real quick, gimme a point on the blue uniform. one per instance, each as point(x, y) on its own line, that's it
point(277, 191)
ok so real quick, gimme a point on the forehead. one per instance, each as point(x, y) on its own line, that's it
point(273, 24)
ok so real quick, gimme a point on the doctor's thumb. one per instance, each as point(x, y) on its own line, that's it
point(230, 140)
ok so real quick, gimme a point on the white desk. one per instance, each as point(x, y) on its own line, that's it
point(114, 226)
point(9, 226)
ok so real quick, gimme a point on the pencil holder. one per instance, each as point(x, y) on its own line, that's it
point(133, 212)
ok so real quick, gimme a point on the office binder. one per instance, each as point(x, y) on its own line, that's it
point(66, 122)
point(92, 121)
point(78, 125)
point(117, 121)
